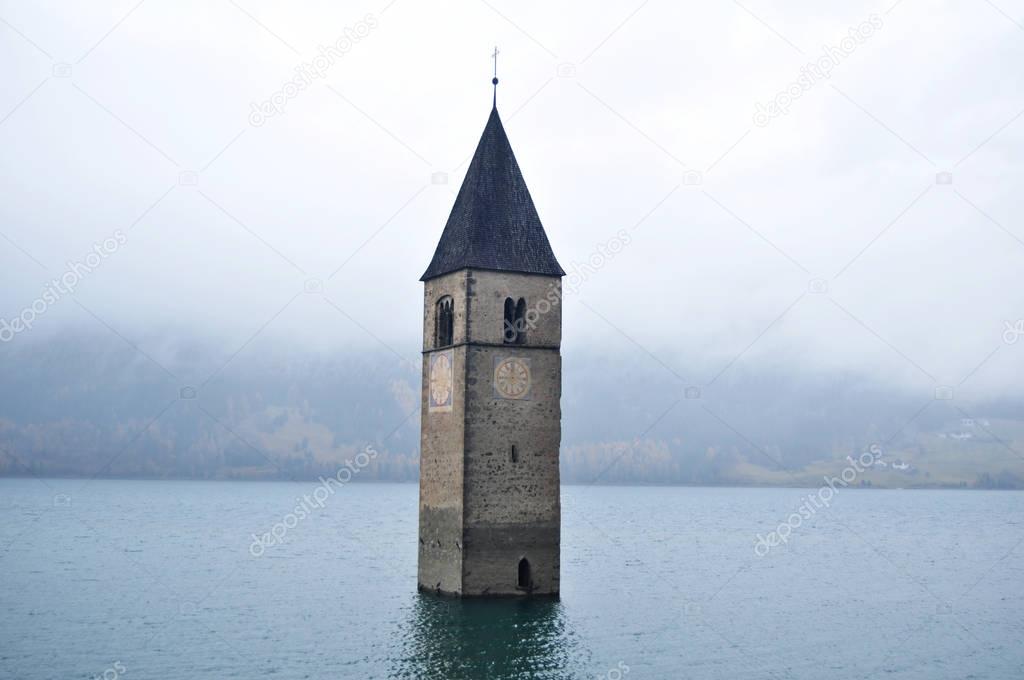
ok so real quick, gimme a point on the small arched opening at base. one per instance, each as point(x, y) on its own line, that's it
point(524, 579)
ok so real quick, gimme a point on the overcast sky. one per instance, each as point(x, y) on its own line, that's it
point(812, 235)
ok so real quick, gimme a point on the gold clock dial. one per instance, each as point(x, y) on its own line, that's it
point(512, 378)
point(441, 380)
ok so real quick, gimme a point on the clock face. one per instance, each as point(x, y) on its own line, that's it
point(512, 378)
point(440, 387)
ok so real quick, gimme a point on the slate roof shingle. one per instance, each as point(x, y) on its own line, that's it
point(494, 224)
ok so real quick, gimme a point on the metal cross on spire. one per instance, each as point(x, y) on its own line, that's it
point(494, 81)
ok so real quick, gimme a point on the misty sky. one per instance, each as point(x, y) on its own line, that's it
point(635, 117)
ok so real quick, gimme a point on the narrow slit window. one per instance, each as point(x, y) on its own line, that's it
point(513, 454)
point(520, 323)
point(509, 324)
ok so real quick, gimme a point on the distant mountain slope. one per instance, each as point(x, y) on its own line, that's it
point(84, 405)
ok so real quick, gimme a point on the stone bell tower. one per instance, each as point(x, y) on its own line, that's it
point(492, 380)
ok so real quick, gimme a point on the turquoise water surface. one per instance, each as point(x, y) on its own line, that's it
point(154, 579)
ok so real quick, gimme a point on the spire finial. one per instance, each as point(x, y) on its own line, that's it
point(494, 80)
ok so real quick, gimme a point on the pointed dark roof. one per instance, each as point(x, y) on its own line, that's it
point(493, 224)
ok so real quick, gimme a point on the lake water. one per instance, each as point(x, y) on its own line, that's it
point(150, 579)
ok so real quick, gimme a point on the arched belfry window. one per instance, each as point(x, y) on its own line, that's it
point(514, 326)
point(444, 322)
point(524, 580)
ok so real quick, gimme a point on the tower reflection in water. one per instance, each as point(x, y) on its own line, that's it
point(487, 638)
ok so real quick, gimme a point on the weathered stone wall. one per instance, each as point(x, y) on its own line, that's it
point(453, 284)
point(486, 306)
point(441, 453)
point(480, 510)
point(511, 507)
